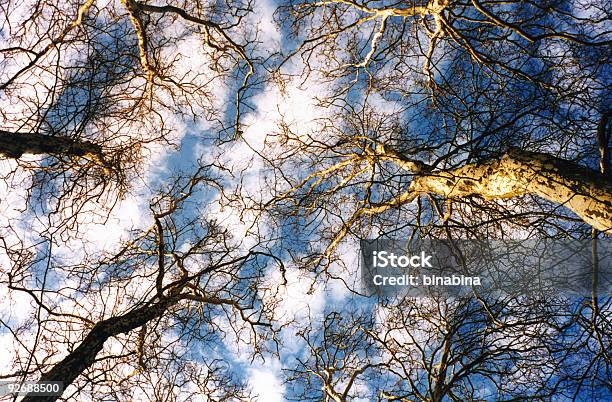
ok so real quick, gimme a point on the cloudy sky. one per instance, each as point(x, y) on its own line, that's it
point(161, 94)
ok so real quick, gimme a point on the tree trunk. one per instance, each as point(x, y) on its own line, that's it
point(85, 354)
point(586, 192)
point(14, 145)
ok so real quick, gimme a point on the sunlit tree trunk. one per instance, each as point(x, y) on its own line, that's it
point(584, 191)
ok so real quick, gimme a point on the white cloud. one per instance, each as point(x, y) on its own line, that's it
point(265, 381)
point(270, 34)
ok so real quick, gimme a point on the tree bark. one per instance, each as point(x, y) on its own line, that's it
point(14, 145)
point(586, 192)
point(84, 355)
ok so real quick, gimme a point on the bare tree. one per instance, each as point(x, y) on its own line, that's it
point(91, 92)
point(141, 307)
point(448, 119)
point(442, 119)
point(465, 349)
point(394, 127)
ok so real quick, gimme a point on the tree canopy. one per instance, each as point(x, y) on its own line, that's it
point(185, 185)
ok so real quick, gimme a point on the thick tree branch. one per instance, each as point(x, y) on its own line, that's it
point(84, 355)
point(604, 133)
point(584, 191)
point(133, 10)
point(14, 145)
